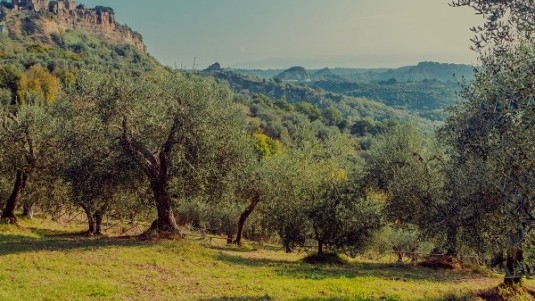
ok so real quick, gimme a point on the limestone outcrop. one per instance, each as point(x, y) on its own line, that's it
point(99, 21)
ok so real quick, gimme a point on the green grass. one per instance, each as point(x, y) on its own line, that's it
point(43, 261)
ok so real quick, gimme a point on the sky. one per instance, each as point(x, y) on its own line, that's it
point(311, 33)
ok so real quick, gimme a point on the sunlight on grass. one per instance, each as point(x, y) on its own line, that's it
point(44, 264)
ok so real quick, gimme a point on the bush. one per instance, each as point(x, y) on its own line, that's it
point(5, 96)
point(36, 48)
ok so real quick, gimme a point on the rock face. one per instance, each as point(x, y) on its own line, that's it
point(102, 24)
point(99, 22)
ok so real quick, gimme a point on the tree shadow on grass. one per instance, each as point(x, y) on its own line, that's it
point(15, 244)
point(392, 272)
point(390, 298)
point(231, 249)
point(363, 298)
point(248, 298)
point(54, 233)
point(252, 262)
point(245, 249)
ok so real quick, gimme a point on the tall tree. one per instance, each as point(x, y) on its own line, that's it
point(180, 131)
point(501, 101)
point(26, 138)
point(493, 129)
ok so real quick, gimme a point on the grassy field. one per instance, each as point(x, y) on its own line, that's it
point(42, 261)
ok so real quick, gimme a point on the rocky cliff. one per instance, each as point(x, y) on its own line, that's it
point(101, 24)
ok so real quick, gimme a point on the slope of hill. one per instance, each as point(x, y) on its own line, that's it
point(428, 98)
point(293, 93)
point(325, 74)
point(426, 89)
point(44, 23)
point(41, 38)
point(430, 71)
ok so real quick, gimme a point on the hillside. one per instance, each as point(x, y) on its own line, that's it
point(428, 98)
point(294, 74)
point(425, 89)
point(349, 107)
point(429, 71)
point(65, 41)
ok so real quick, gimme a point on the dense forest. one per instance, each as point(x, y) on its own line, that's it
point(328, 160)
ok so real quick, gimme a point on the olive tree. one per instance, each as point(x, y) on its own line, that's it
point(409, 168)
point(179, 130)
point(284, 207)
point(318, 194)
point(92, 161)
point(27, 144)
point(341, 214)
point(501, 103)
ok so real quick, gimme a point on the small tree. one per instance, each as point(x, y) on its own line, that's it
point(37, 85)
point(26, 139)
point(287, 174)
point(258, 178)
point(341, 214)
point(409, 169)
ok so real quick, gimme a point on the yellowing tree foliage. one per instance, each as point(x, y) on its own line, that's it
point(265, 145)
point(38, 85)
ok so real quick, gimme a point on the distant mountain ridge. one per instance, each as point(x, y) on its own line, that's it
point(422, 71)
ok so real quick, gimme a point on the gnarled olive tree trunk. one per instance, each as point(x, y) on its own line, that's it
point(94, 220)
point(8, 215)
point(166, 220)
point(155, 166)
point(513, 262)
point(244, 216)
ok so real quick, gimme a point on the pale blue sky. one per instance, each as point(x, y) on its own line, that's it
point(310, 33)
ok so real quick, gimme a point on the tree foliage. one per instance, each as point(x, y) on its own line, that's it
point(37, 85)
